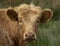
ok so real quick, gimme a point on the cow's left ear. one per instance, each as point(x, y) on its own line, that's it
point(46, 15)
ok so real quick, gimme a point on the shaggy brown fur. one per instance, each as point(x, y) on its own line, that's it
point(16, 22)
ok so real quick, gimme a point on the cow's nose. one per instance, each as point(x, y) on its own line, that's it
point(29, 36)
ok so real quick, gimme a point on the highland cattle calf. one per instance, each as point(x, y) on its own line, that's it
point(18, 26)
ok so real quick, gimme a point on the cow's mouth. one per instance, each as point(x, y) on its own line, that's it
point(30, 39)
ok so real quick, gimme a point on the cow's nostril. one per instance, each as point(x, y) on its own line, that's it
point(29, 35)
point(32, 35)
point(26, 35)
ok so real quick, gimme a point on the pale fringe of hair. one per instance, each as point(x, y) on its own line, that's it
point(31, 7)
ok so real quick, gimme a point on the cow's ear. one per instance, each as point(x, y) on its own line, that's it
point(12, 14)
point(46, 15)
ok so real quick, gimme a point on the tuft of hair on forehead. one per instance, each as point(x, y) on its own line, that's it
point(23, 5)
point(31, 8)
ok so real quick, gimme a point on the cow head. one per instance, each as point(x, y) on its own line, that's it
point(27, 17)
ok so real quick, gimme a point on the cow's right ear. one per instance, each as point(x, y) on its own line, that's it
point(12, 14)
point(46, 15)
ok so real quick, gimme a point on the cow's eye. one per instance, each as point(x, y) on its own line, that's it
point(20, 22)
point(37, 21)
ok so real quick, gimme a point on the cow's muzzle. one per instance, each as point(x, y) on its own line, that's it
point(29, 36)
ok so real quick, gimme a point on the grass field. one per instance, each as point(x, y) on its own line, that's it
point(48, 34)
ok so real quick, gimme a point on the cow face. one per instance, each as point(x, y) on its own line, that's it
point(27, 17)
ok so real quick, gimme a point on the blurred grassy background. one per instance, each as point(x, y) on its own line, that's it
point(48, 34)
